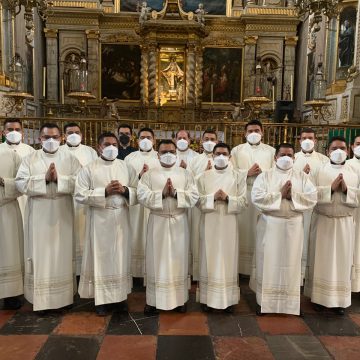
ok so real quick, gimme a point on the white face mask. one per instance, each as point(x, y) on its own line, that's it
point(357, 151)
point(51, 145)
point(208, 146)
point(14, 137)
point(182, 144)
point(73, 139)
point(221, 161)
point(168, 159)
point(253, 138)
point(338, 156)
point(145, 144)
point(110, 152)
point(307, 145)
point(284, 162)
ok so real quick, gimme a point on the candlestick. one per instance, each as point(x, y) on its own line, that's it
point(273, 97)
point(44, 82)
point(291, 87)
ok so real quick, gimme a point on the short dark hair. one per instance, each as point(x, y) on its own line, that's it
point(188, 133)
point(146, 129)
point(254, 122)
point(126, 126)
point(336, 138)
point(49, 126)
point(209, 131)
point(166, 142)
point(105, 134)
point(354, 138)
point(307, 130)
point(72, 124)
point(221, 145)
point(12, 120)
point(284, 145)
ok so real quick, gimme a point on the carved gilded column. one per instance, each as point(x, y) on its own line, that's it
point(144, 89)
point(152, 75)
point(190, 75)
point(289, 64)
point(199, 76)
point(249, 65)
point(52, 57)
point(93, 61)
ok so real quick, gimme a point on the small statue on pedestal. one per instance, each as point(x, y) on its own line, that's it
point(200, 14)
point(144, 12)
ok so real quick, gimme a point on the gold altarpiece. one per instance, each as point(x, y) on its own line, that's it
point(172, 44)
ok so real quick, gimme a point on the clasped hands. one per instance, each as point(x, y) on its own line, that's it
point(51, 174)
point(168, 190)
point(114, 188)
point(286, 190)
point(339, 184)
point(255, 170)
point(221, 195)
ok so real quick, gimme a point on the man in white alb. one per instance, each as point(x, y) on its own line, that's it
point(141, 161)
point(106, 186)
point(282, 194)
point(85, 155)
point(47, 177)
point(354, 162)
point(167, 191)
point(332, 232)
point(254, 157)
point(183, 151)
point(11, 230)
point(309, 161)
point(198, 165)
point(222, 192)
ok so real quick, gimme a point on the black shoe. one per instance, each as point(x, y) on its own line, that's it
point(205, 308)
point(258, 310)
point(318, 307)
point(101, 310)
point(12, 303)
point(150, 310)
point(41, 312)
point(229, 309)
point(123, 307)
point(340, 311)
point(181, 309)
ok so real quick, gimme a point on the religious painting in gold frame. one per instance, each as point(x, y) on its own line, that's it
point(171, 77)
point(120, 71)
point(222, 75)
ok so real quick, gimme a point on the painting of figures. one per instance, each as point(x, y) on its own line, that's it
point(222, 74)
point(212, 7)
point(120, 71)
point(132, 5)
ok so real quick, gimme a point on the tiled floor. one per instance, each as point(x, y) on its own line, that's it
point(79, 334)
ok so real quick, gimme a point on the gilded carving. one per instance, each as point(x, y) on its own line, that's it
point(251, 39)
point(291, 40)
point(344, 114)
point(222, 42)
point(121, 37)
point(51, 33)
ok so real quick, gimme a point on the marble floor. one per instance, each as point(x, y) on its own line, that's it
point(79, 334)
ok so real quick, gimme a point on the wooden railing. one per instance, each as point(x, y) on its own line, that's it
point(229, 132)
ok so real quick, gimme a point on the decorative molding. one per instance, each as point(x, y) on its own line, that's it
point(51, 33)
point(251, 39)
point(276, 28)
point(223, 41)
point(263, 10)
point(344, 113)
point(76, 4)
point(291, 40)
point(121, 37)
point(92, 34)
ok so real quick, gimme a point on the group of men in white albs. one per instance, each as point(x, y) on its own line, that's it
point(284, 219)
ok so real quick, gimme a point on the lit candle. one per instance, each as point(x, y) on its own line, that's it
point(212, 94)
point(291, 87)
point(44, 82)
point(62, 92)
point(273, 97)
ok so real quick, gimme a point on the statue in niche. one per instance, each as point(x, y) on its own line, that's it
point(174, 77)
point(144, 12)
point(314, 28)
point(200, 14)
point(346, 44)
point(71, 69)
point(268, 70)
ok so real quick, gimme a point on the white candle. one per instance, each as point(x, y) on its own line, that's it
point(273, 97)
point(212, 94)
point(291, 87)
point(62, 92)
point(44, 82)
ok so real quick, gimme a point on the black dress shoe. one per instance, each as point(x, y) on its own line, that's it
point(101, 310)
point(229, 309)
point(181, 309)
point(340, 311)
point(318, 307)
point(12, 303)
point(258, 310)
point(123, 307)
point(150, 310)
point(205, 308)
